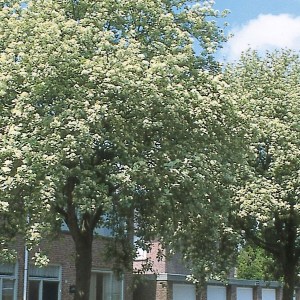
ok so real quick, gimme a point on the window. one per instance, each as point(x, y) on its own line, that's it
point(44, 283)
point(100, 230)
point(105, 286)
point(141, 254)
point(7, 282)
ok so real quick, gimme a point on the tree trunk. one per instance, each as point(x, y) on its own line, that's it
point(290, 259)
point(82, 233)
point(289, 280)
point(83, 263)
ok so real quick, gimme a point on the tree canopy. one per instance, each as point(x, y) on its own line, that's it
point(110, 118)
point(266, 207)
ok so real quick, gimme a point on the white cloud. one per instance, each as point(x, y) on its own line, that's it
point(266, 32)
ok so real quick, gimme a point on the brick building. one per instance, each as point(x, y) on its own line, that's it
point(168, 281)
point(56, 280)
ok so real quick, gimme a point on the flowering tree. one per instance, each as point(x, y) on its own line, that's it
point(266, 208)
point(108, 118)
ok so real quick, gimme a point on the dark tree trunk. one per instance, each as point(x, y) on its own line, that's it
point(289, 281)
point(289, 264)
point(289, 257)
point(281, 243)
point(82, 233)
point(83, 264)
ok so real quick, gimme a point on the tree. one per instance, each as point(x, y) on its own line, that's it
point(255, 263)
point(266, 208)
point(108, 118)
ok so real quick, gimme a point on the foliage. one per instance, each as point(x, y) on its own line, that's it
point(254, 263)
point(110, 118)
point(266, 208)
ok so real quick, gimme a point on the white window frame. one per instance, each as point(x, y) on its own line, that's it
point(10, 277)
point(111, 277)
point(41, 279)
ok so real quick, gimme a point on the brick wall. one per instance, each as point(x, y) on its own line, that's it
point(60, 251)
point(164, 290)
point(158, 265)
point(153, 290)
point(160, 287)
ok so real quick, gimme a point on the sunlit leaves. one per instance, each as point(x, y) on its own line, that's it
point(266, 206)
point(107, 111)
point(269, 100)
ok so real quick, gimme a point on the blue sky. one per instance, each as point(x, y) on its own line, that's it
point(261, 25)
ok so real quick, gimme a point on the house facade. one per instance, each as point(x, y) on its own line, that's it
point(168, 281)
point(56, 281)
